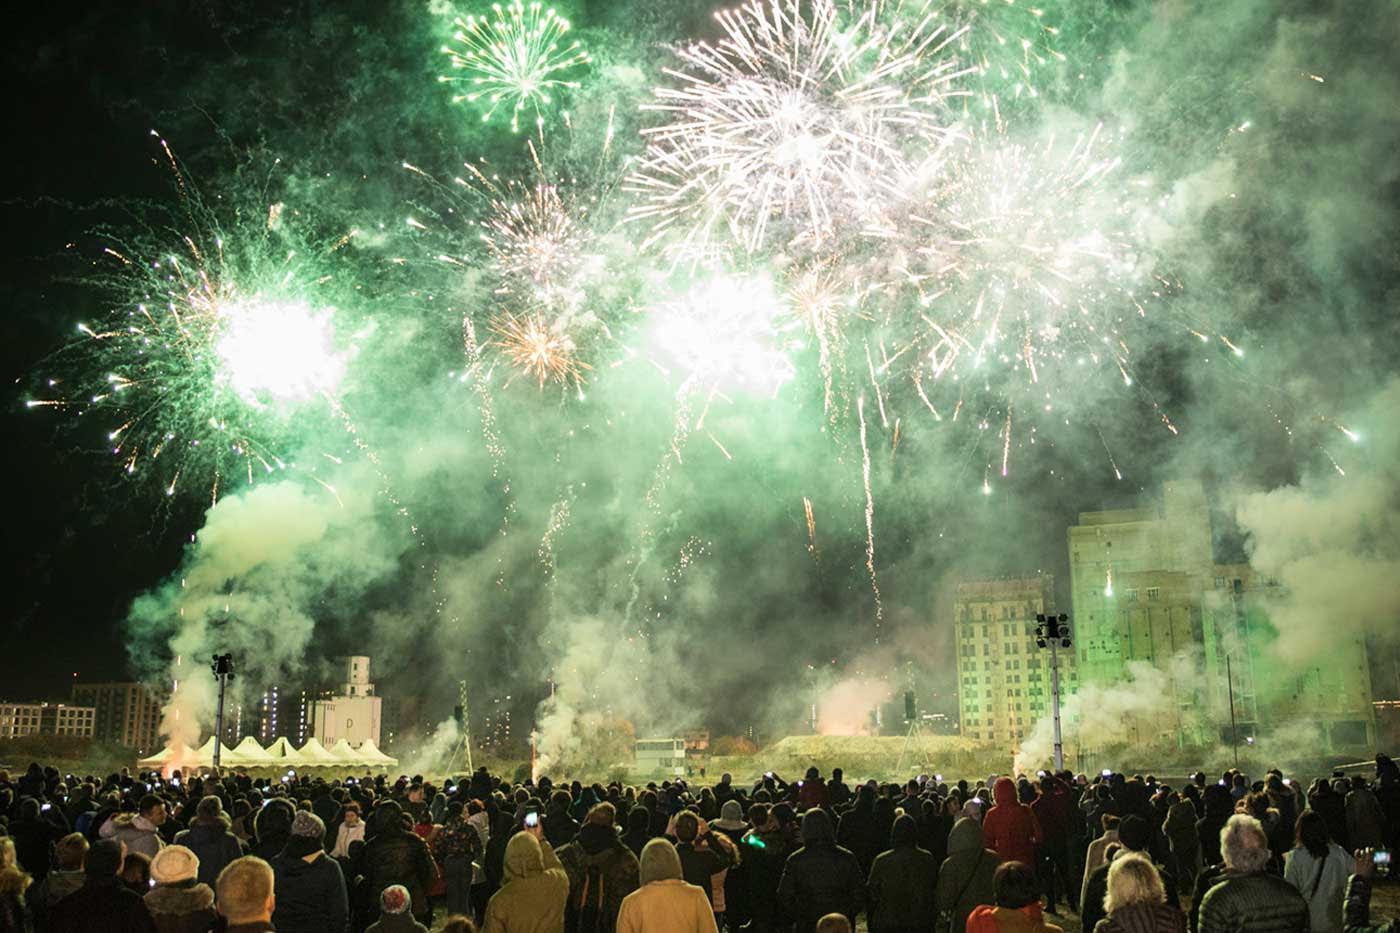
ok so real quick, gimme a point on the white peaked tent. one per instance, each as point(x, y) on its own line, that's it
point(182, 755)
point(343, 752)
point(205, 756)
point(371, 755)
point(282, 752)
point(314, 753)
point(250, 752)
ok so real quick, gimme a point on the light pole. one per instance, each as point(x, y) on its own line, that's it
point(1053, 632)
point(1234, 731)
point(223, 673)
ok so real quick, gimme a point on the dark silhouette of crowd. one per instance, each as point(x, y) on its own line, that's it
point(1128, 854)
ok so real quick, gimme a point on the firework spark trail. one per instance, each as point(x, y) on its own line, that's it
point(811, 529)
point(794, 120)
point(513, 59)
point(486, 404)
point(869, 520)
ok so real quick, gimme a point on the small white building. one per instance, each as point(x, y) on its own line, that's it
point(354, 715)
point(660, 756)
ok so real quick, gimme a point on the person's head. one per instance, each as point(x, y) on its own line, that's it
point(395, 901)
point(905, 832)
point(307, 825)
point(174, 865)
point(209, 808)
point(687, 826)
point(70, 852)
point(1133, 879)
point(1014, 885)
point(352, 814)
point(136, 869)
point(659, 862)
point(638, 820)
point(834, 923)
point(1310, 832)
point(560, 800)
point(104, 859)
point(601, 814)
point(1110, 822)
point(1244, 845)
point(152, 808)
point(1135, 833)
point(8, 858)
point(245, 891)
point(459, 924)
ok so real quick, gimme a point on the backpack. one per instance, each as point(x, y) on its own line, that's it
point(592, 917)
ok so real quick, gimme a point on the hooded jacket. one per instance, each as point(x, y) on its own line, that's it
point(13, 883)
point(311, 896)
point(1010, 828)
point(900, 890)
point(1028, 919)
point(57, 885)
point(597, 861)
point(821, 877)
point(211, 840)
point(396, 856)
point(182, 908)
point(664, 903)
point(102, 905)
point(965, 879)
point(535, 891)
point(139, 834)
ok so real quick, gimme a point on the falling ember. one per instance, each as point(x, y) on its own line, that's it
point(1108, 582)
point(869, 519)
point(811, 528)
point(1006, 443)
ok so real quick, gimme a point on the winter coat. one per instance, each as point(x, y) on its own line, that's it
point(535, 891)
point(1096, 856)
point(1144, 918)
point(102, 905)
point(34, 841)
point(559, 828)
point(765, 854)
point(1010, 828)
point(699, 865)
point(599, 867)
point(213, 841)
point(1365, 820)
point(1257, 902)
point(311, 896)
point(812, 794)
point(182, 908)
point(13, 883)
point(900, 890)
point(1331, 806)
point(459, 840)
point(859, 832)
point(1096, 889)
point(139, 834)
point(45, 894)
point(1027, 919)
point(666, 906)
point(1323, 891)
point(403, 923)
point(965, 878)
point(1358, 909)
point(397, 856)
point(821, 877)
point(345, 835)
point(1051, 811)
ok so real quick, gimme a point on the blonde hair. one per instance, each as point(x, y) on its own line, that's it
point(8, 857)
point(1133, 879)
point(244, 887)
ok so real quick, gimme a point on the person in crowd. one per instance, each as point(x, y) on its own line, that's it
point(701, 859)
point(664, 901)
point(351, 830)
point(394, 854)
point(136, 872)
point(455, 848)
point(899, 895)
point(66, 877)
point(210, 837)
point(638, 830)
point(35, 830)
point(1015, 906)
point(1358, 900)
point(1097, 853)
point(311, 895)
point(1010, 828)
point(965, 880)
point(1136, 901)
point(834, 923)
point(1247, 895)
point(103, 904)
point(14, 884)
point(272, 826)
point(535, 889)
point(602, 871)
point(857, 829)
point(559, 827)
point(811, 791)
point(1388, 794)
point(1318, 868)
point(458, 924)
point(1365, 818)
point(396, 912)
point(139, 831)
point(179, 902)
point(1134, 835)
point(729, 831)
point(821, 877)
point(244, 896)
point(1331, 806)
point(765, 851)
point(1179, 828)
point(1051, 810)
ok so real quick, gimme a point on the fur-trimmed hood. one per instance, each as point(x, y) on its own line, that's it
point(179, 899)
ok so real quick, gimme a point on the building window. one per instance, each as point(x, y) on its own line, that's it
point(1154, 592)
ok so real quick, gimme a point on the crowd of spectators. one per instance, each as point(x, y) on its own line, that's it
point(192, 853)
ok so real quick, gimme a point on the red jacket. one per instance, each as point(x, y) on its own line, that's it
point(1051, 811)
point(812, 794)
point(1010, 828)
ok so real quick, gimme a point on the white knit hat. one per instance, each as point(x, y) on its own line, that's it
point(174, 864)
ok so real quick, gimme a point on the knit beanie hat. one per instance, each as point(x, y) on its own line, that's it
point(174, 864)
point(309, 825)
point(395, 900)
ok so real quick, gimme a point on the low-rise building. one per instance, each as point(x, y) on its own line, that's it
point(59, 719)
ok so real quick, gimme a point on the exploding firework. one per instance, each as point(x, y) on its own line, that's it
point(517, 58)
point(542, 351)
point(1009, 46)
point(207, 349)
point(788, 128)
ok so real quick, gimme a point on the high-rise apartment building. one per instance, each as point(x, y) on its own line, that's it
point(126, 713)
point(1004, 678)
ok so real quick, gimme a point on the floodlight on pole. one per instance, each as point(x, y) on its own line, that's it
point(1053, 631)
point(222, 667)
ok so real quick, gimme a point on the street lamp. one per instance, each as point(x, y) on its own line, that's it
point(1052, 631)
point(222, 667)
